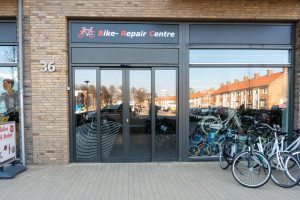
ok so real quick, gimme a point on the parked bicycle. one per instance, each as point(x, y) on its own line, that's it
point(229, 147)
point(285, 167)
point(251, 168)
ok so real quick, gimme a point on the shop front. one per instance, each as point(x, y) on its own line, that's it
point(124, 94)
point(145, 92)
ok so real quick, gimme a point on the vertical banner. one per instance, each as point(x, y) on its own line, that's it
point(7, 143)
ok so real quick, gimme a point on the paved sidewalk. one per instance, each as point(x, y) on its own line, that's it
point(135, 181)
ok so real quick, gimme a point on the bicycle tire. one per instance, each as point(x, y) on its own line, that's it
point(205, 149)
point(296, 154)
point(254, 163)
point(215, 148)
point(207, 121)
point(223, 162)
point(194, 150)
point(286, 172)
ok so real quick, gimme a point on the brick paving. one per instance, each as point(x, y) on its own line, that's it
point(134, 181)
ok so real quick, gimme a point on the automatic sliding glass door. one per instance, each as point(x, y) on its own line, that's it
point(111, 112)
point(125, 114)
point(139, 146)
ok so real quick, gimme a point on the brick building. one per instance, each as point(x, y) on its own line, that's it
point(51, 31)
point(259, 92)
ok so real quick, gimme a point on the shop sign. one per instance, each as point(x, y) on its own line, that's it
point(125, 33)
point(7, 143)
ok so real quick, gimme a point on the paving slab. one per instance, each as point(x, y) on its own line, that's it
point(135, 181)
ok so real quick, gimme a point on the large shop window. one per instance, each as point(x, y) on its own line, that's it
point(223, 99)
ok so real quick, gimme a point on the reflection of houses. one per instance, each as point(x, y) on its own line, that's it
point(165, 101)
point(260, 92)
point(202, 99)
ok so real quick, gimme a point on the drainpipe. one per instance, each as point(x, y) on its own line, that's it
point(21, 81)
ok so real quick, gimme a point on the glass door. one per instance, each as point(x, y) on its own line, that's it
point(86, 133)
point(124, 114)
point(111, 112)
point(139, 121)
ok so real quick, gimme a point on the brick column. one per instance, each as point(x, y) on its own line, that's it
point(297, 79)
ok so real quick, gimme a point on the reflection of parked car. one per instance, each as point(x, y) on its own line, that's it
point(112, 108)
point(172, 107)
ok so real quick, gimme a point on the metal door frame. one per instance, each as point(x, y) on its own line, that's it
point(125, 114)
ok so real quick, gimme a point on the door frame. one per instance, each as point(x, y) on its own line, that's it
point(125, 114)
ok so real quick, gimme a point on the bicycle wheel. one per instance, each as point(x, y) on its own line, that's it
point(251, 169)
point(285, 170)
point(224, 164)
point(205, 149)
point(194, 150)
point(207, 121)
point(215, 148)
point(296, 154)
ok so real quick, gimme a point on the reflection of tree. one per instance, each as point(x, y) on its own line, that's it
point(105, 96)
point(139, 94)
point(191, 90)
point(112, 92)
point(8, 55)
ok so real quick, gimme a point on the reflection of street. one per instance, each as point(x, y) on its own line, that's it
point(164, 113)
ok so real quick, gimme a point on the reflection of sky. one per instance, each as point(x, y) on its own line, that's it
point(165, 82)
point(140, 79)
point(85, 75)
point(239, 56)
point(205, 78)
point(111, 77)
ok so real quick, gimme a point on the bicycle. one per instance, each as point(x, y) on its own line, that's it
point(285, 167)
point(229, 147)
point(201, 146)
point(251, 168)
point(217, 123)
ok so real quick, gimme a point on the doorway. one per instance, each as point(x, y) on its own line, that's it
point(125, 114)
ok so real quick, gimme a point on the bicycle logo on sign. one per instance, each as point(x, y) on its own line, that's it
point(86, 32)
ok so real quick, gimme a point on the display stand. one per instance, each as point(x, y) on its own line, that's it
point(10, 171)
point(9, 164)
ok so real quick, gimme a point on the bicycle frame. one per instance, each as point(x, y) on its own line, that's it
point(295, 144)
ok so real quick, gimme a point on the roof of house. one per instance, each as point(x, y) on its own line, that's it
point(259, 81)
point(166, 98)
point(202, 93)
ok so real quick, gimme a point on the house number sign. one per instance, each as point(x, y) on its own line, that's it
point(47, 66)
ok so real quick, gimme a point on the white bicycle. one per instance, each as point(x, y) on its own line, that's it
point(216, 123)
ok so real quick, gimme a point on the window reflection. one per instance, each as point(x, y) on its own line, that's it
point(225, 97)
point(230, 56)
point(85, 114)
point(9, 100)
point(8, 54)
point(165, 116)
